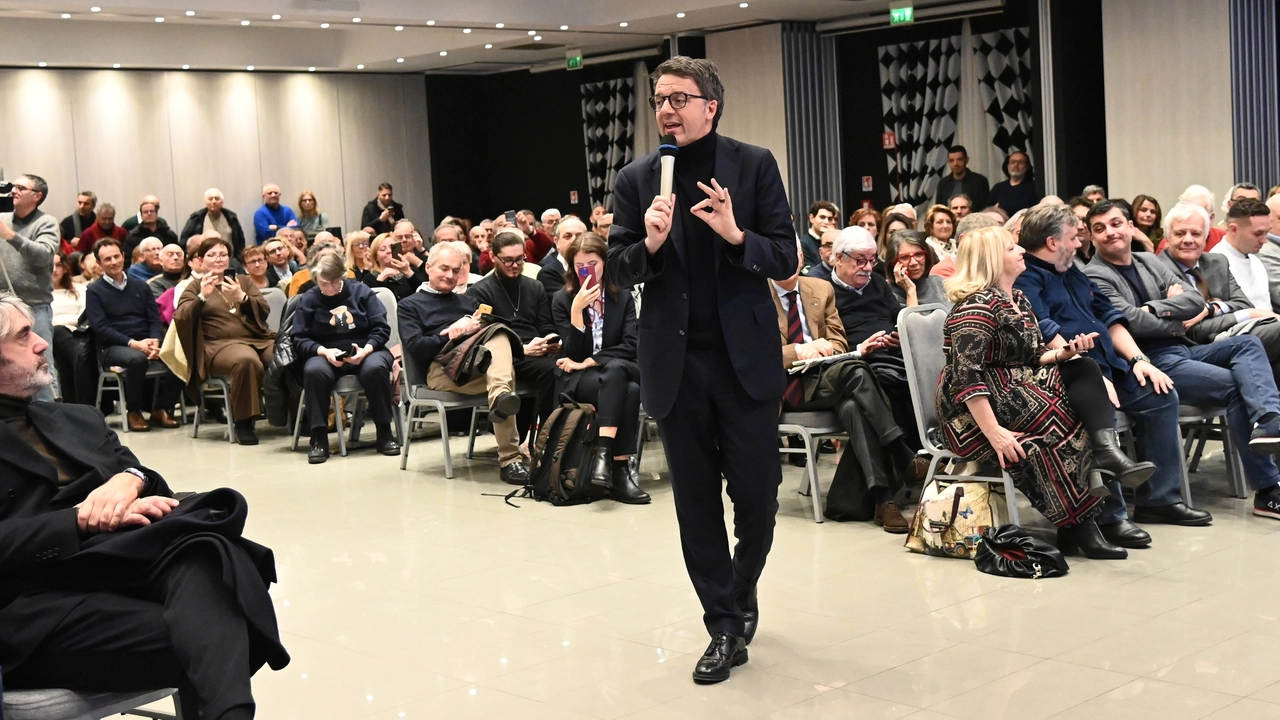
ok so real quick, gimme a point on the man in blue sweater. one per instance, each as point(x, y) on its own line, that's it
point(272, 215)
point(435, 315)
point(127, 327)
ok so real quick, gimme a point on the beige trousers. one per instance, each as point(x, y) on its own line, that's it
point(500, 378)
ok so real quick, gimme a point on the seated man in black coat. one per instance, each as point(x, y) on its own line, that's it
point(433, 316)
point(554, 266)
point(522, 303)
point(869, 310)
point(69, 487)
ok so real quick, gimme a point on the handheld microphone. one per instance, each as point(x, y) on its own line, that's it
point(667, 152)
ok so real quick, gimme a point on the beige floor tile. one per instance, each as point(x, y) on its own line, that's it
point(1033, 693)
point(943, 675)
point(1147, 699)
point(406, 595)
point(1242, 665)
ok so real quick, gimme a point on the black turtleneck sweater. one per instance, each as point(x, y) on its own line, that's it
point(696, 163)
point(13, 412)
point(521, 303)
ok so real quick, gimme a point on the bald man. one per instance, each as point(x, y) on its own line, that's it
point(272, 215)
point(213, 217)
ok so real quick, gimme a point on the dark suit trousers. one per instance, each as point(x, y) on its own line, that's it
point(616, 397)
point(716, 429)
point(184, 629)
point(136, 365)
point(374, 372)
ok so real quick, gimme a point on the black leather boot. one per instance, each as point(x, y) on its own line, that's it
point(600, 474)
point(244, 432)
point(1087, 538)
point(626, 486)
point(1110, 459)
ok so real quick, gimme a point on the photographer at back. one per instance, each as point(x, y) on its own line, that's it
point(29, 240)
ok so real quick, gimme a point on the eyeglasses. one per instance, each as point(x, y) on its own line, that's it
point(678, 100)
point(363, 245)
point(911, 257)
point(510, 261)
point(858, 261)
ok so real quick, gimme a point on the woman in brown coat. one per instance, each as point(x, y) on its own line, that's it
point(222, 325)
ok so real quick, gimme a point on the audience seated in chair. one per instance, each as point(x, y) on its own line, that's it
point(596, 322)
point(522, 303)
point(213, 217)
point(222, 326)
point(340, 328)
point(173, 268)
point(555, 264)
point(822, 270)
point(126, 324)
point(391, 271)
point(147, 264)
point(908, 263)
point(68, 308)
point(436, 316)
point(876, 457)
point(86, 605)
point(1232, 373)
point(1068, 304)
point(301, 281)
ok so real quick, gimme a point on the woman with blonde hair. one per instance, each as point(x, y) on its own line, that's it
point(390, 269)
point(1006, 396)
point(311, 221)
point(358, 257)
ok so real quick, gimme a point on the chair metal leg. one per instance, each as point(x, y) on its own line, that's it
point(444, 439)
point(195, 421)
point(297, 420)
point(815, 489)
point(399, 418)
point(338, 424)
point(1182, 470)
point(406, 430)
point(1010, 499)
point(1235, 469)
point(471, 434)
point(226, 407)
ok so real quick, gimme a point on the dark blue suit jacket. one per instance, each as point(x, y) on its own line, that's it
point(747, 313)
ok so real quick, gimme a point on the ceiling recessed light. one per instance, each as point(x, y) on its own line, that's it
point(537, 38)
point(275, 17)
point(359, 67)
point(66, 16)
point(159, 19)
point(399, 28)
point(500, 25)
point(191, 13)
point(443, 53)
point(44, 64)
point(95, 8)
point(115, 65)
point(244, 22)
point(488, 46)
point(679, 15)
point(250, 68)
point(400, 60)
point(742, 5)
point(355, 19)
point(466, 31)
point(564, 27)
point(431, 22)
point(622, 24)
point(324, 26)
point(311, 69)
point(186, 67)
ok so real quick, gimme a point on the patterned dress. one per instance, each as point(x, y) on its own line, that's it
point(993, 345)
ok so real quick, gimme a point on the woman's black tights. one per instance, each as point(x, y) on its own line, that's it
point(1087, 394)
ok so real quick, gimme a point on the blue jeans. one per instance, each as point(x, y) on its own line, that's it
point(1155, 423)
point(42, 323)
point(1233, 373)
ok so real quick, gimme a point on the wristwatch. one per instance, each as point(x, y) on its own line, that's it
point(1137, 359)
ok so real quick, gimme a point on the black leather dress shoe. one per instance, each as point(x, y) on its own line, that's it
point(388, 446)
point(515, 474)
point(724, 653)
point(318, 453)
point(1125, 534)
point(1175, 514)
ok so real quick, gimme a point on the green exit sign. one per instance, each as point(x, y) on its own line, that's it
point(900, 15)
point(573, 60)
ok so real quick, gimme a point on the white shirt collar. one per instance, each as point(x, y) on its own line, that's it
point(563, 263)
point(426, 288)
point(782, 292)
point(114, 284)
point(835, 279)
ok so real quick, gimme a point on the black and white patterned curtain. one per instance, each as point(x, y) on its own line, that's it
point(608, 124)
point(919, 93)
point(1004, 76)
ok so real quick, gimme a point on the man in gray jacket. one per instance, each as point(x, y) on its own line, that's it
point(29, 240)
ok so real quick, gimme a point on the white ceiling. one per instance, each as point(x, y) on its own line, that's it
point(127, 31)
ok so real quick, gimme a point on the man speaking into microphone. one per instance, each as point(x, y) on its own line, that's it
point(709, 347)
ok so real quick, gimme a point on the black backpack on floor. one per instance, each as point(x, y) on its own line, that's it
point(562, 456)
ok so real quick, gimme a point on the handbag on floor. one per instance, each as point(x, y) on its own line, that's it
point(951, 518)
point(1010, 551)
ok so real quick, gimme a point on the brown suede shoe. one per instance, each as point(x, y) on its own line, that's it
point(889, 516)
point(137, 423)
point(163, 419)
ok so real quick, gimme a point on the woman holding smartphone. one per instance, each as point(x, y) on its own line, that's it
point(597, 326)
point(390, 268)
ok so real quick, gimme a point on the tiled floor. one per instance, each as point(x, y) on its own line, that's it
point(405, 595)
